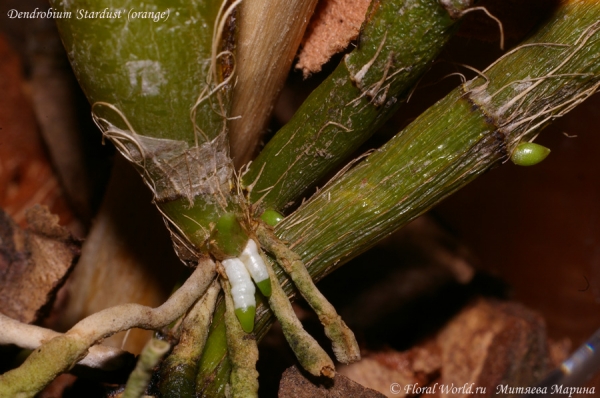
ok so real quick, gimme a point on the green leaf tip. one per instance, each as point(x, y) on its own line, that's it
point(271, 217)
point(529, 154)
point(246, 318)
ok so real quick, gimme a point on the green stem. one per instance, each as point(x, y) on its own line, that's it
point(475, 127)
point(138, 65)
point(160, 92)
point(452, 143)
point(397, 45)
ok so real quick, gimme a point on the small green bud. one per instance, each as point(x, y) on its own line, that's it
point(271, 217)
point(529, 154)
point(229, 237)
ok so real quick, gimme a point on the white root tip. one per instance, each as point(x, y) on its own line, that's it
point(242, 288)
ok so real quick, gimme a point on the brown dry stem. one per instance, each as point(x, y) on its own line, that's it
point(264, 25)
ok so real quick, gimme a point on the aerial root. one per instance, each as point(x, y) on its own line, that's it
point(184, 358)
point(120, 138)
point(221, 20)
point(140, 377)
point(206, 94)
point(310, 354)
point(359, 76)
point(242, 351)
point(62, 352)
point(549, 113)
point(531, 107)
point(31, 337)
point(571, 52)
point(344, 343)
point(489, 14)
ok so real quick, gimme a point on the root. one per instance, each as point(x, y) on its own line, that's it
point(32, 337)
point(551, 113)
point(309, 353)
point(61, 353)
point(372, 92)
point(521, 115)
point(489, 14)
point(359, 76)
point(207, 93)
point(140, 377)
point(250, 186)
point(242, 351)
point(579, 44)
point(343, 341)
point(179, 367)
point(514, 50)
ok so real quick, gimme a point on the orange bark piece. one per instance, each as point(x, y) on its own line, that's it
point(333, 26)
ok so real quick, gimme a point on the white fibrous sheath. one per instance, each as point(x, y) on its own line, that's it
point(242, 288)
point(254, 262)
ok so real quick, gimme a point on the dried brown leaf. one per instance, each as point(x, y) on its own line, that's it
point(487, 344)
point(263, 26)
point(34, 263)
